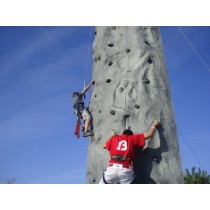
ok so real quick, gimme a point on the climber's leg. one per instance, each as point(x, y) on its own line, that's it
point(87, 121)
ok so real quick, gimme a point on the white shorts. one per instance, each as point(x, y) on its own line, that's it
point(86, 114)
point(117, 175)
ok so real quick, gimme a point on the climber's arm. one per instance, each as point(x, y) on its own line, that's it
point(87, 87)
point(152, 129)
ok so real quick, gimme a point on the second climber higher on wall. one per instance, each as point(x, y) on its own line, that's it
point(82, 112)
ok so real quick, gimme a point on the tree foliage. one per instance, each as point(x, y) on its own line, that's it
point(10, 181)
point(199, 177)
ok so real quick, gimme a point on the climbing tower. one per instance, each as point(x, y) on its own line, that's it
point(131, 90)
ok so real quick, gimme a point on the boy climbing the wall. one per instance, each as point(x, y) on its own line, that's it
point(82, 112)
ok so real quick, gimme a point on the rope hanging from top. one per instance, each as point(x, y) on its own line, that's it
point(88, 53)
point(87, 63)
point(127, 118)
point(183, 34)
point(199, 162)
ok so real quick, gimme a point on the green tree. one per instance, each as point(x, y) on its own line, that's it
point(194, 177)
point(10, 181)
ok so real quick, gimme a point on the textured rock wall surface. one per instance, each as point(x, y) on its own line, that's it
point(132, 89)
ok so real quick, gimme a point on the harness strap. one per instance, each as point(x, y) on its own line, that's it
point(105, 180)
point(133, 182)
point(79, 113)
point(79, 107)
point(120, 158)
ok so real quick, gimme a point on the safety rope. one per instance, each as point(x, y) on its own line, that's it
point(207, 67)
point(128, 63)
point(87, 63)
point(181, 133)
point(190, 148)
point(88, 53)
point(116, 78)
point(127, 118)
point(196, 52)
point(120, 78)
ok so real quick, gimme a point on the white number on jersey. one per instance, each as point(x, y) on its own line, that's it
point(122, 145)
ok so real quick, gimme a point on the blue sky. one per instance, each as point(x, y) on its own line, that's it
point(40, 67)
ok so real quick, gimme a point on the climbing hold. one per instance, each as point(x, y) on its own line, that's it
point(93, 180)
point(95, 95)
point(121, 89)
point(146, 81)
point(110, 45)
point(99, 111)
point(146, 42)
point(149, 60)
point(155, 159)
point(112, 112)
point(113, 27)
point(110, 63)
point(108, 80)
point(126, 116)
point(95, 32)
point(128, 50)
point(137, 106)
point(99, 58)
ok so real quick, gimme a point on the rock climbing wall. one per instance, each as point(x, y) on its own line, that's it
point(131, 90)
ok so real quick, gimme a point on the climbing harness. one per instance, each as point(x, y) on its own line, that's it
point(78, 101)
point(105, 182)
point(120, 158)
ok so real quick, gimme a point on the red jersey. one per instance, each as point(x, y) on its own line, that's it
point(124, 145)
